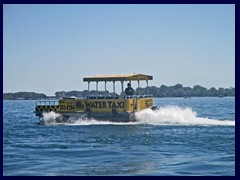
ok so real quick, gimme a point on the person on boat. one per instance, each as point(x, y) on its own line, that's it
point(129, 90)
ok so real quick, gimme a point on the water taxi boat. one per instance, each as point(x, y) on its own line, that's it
point(114, 108)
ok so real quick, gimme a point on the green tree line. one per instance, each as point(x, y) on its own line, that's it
point(179, 91)
point(24, 95)
point(163, 91)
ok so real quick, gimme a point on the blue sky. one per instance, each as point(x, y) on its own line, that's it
point(49, 48)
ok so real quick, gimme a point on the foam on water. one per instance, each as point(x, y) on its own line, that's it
point(174, 115)
point(169, 115)
point(50, 117)
point(98, 122)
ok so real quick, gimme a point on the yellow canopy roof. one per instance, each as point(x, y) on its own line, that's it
point(118, 77)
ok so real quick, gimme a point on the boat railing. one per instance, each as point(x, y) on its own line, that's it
point(138, 96)
point(102, 97)
point(120, 97)
point(55, 102)
point(148, 95)
point(47, 103)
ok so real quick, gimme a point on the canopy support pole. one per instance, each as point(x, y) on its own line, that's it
point(114, 86)
point(147, 86)
point(122, 85)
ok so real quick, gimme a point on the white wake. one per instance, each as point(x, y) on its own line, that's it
point(169, 115)
point(174, 115)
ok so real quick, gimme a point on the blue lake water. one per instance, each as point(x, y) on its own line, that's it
point(193, 136)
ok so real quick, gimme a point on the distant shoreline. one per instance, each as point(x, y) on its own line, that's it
point(163, 91)
point(51, 99)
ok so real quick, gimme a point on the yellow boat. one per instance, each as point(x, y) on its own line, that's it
point(113, 108)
